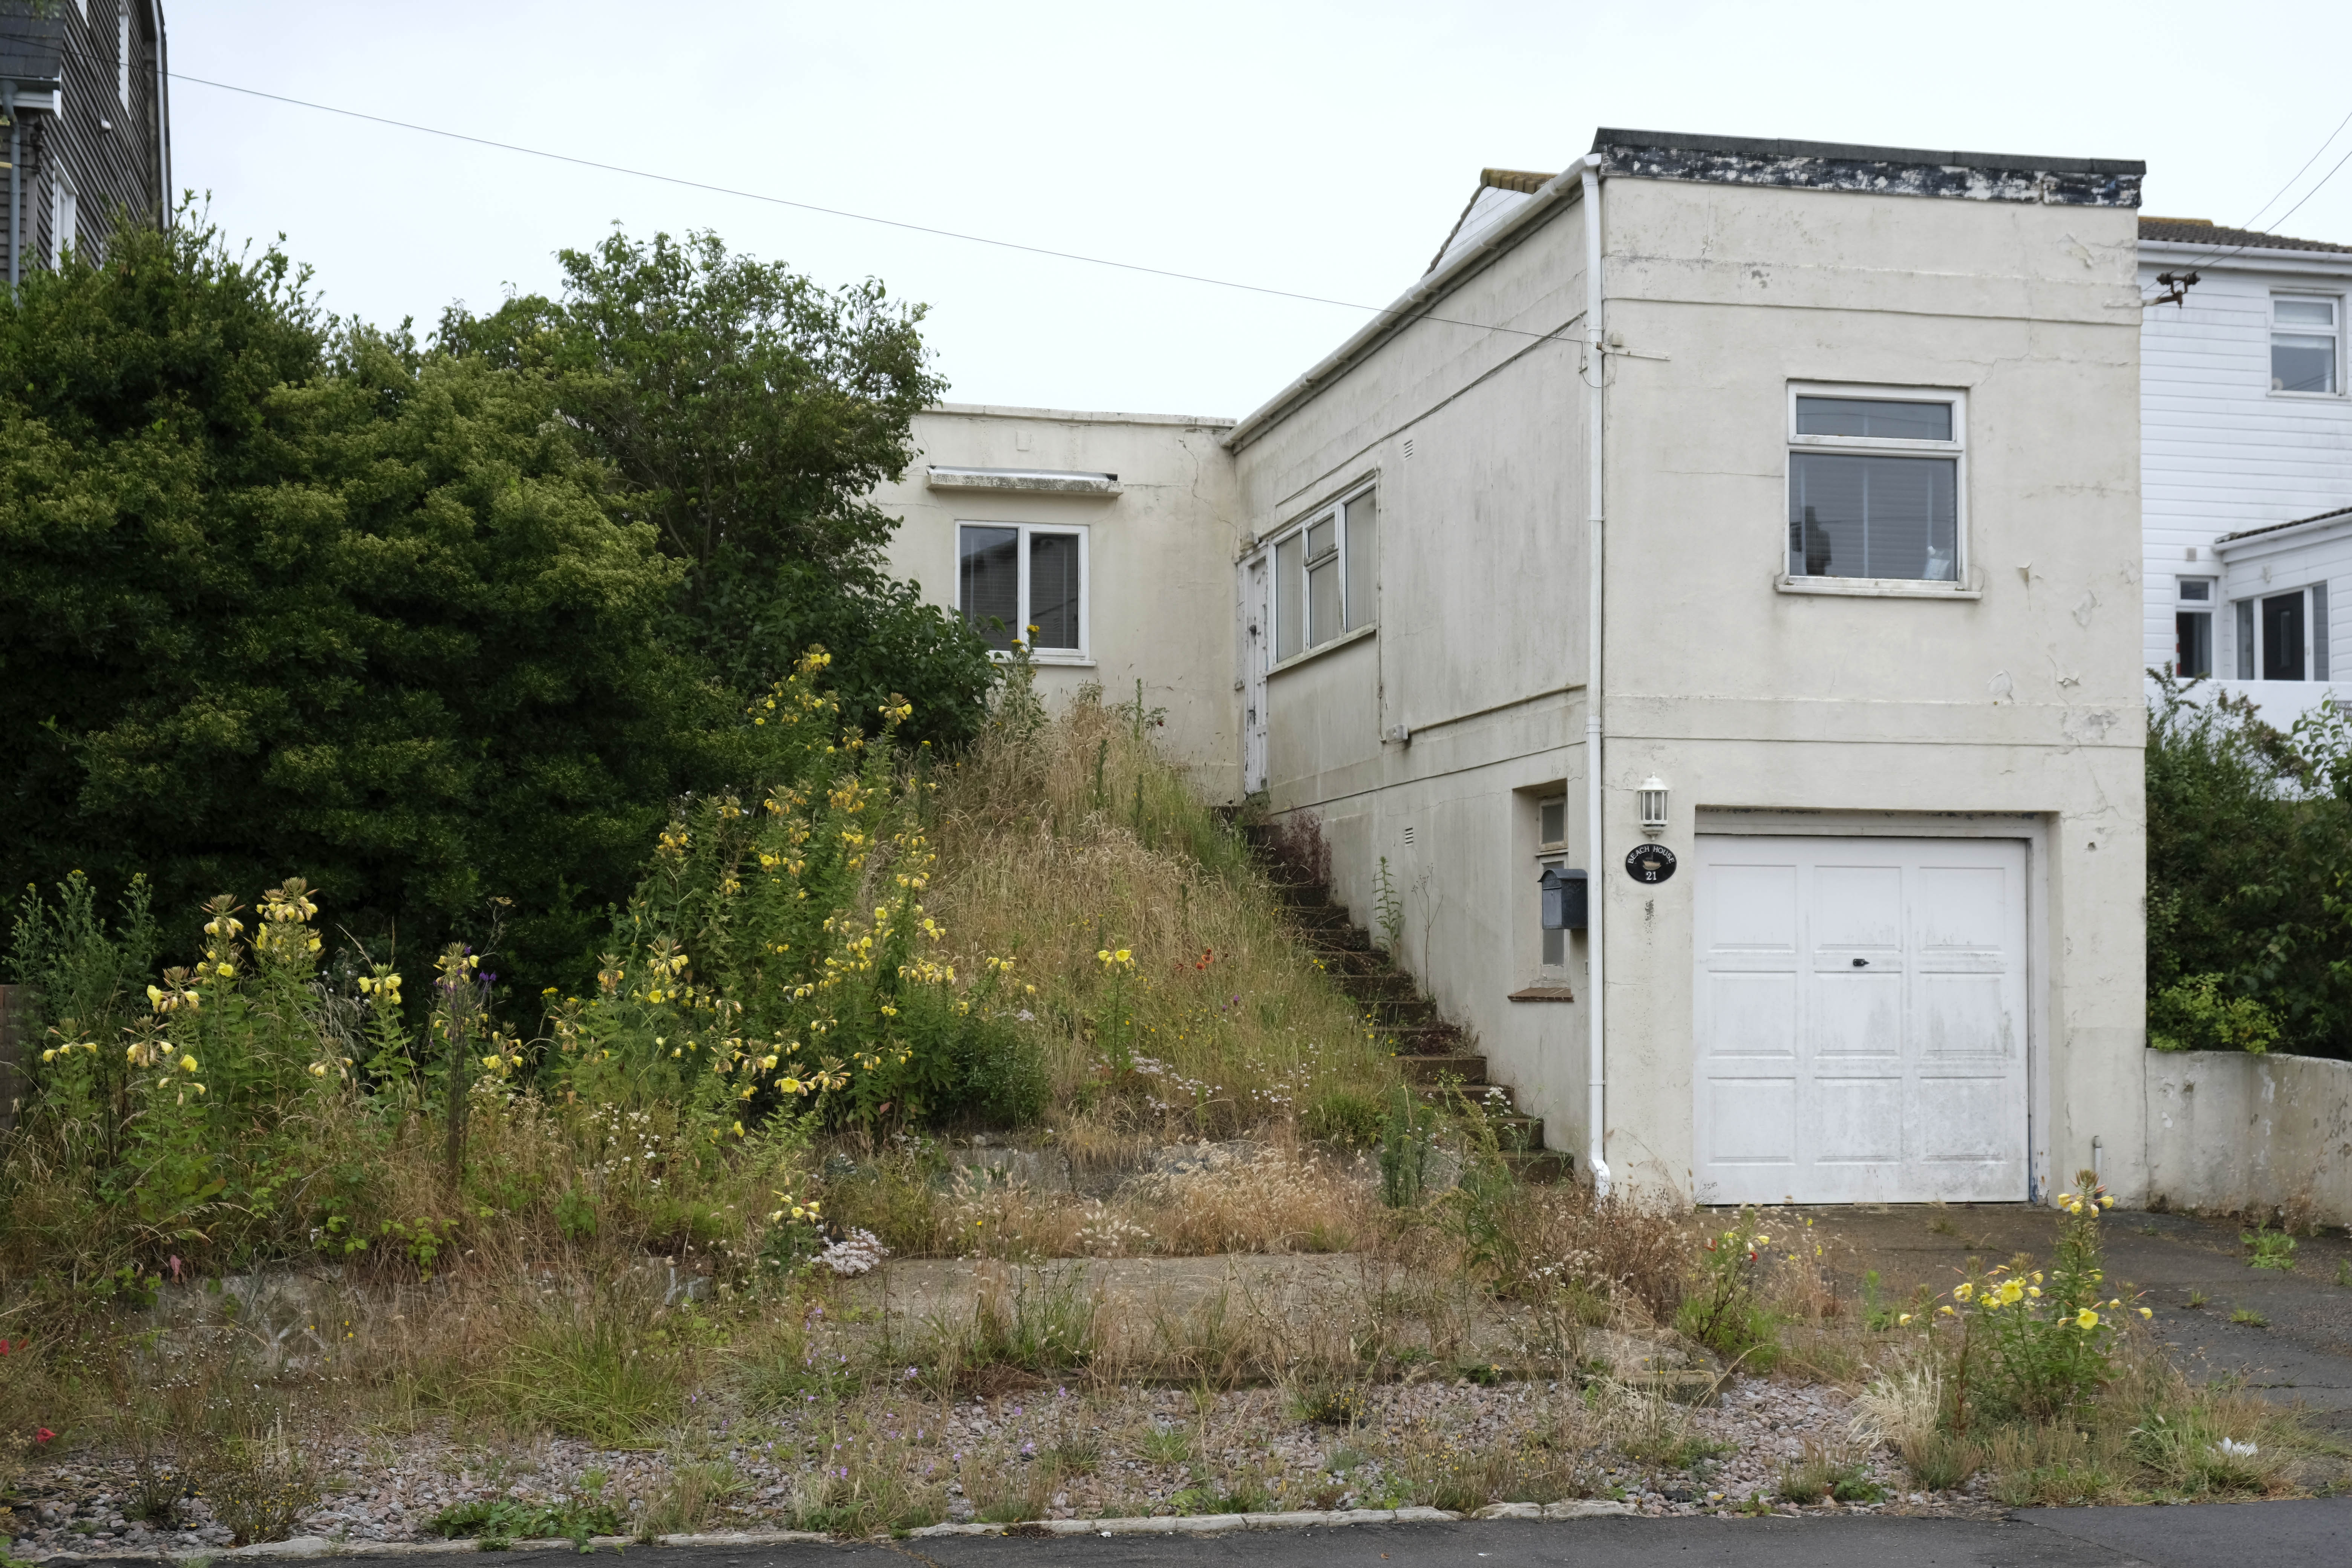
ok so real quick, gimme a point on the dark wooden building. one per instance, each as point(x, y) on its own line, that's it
point(90, 133)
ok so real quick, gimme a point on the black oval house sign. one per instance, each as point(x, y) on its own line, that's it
point(1649, 863)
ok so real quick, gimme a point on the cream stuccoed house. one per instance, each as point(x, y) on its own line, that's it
point(1744, 539)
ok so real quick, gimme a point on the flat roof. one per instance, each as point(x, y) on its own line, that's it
point(1861, 152)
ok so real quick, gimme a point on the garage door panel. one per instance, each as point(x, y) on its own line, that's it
point(1960, 1118)
point(1754, 1120)
point(1964, 1017)
point(1963, 907)
point(1857, 1013)
point(1899, 1077)
point(1856, 908)
point(1856, 1120)
point(1755, 1016)
point(1754, 909)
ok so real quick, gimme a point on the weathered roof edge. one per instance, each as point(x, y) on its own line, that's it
point(1076, 416)
point(1883, 171)
point(2338, 514)
point(1607, 140)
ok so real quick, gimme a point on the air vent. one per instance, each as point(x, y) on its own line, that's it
point(1408, 832)
point(1408, 448)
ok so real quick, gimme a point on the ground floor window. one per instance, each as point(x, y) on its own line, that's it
point(1551, 835)
point(2192, 628)
point(2283, 636)
point(1015, 575)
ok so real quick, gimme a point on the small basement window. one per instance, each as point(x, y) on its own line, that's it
point(1874, 485)
point(2307, 333)
point(1012, 576)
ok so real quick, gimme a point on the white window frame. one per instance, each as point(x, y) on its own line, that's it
point(1961, 584)
point(2246, 632)
point(123, 52)
point(2209, 607)
point(1550, 852)
point(1336, 511)
point(64, 216)
point(1084, 653)
point(2336, 333)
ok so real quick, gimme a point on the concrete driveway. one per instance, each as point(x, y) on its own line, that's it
point(2305, 1352)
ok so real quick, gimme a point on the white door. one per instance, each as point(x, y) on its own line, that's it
point(1255, 649)
point(1860, 1012)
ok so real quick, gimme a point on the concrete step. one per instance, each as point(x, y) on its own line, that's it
point(1516, 1133)
point(1341, 938)
point(1463, 1066)
point(1423, 1040)
point(1368, 986)
point(1540, 1165)
point(1494, 1097)
point(1386, 1014)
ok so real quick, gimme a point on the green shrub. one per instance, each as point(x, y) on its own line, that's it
point(2191, 1014)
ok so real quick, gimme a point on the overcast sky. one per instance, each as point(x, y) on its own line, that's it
point(1323, 149)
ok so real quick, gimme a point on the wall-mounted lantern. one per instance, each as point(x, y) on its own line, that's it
point(1563, 898)
point(1653, 805)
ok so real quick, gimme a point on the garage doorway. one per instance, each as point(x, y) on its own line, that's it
point(1860, 1011)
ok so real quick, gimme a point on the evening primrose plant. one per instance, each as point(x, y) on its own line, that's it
point(780, 955)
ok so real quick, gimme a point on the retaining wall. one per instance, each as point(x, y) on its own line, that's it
point(2232, 1131)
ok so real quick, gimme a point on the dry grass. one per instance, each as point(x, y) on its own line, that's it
point(1082, 840)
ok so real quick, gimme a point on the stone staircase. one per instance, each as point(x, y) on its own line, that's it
point(1436, 1056)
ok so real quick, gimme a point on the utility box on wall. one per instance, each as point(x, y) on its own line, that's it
point(1563, 898)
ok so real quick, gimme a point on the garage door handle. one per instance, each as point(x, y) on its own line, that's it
point(1862, 964)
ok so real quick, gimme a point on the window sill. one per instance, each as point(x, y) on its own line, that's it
point(1876, 588)
point(1542, 994)
point(1319, 649)
point(1047, 660)
point(2278, 392)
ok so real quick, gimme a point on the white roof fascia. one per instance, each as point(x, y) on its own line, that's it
point(1030, 481)
point(2265, 258)
point(1076, 416)
point(1410, 305)
point(2293, 533)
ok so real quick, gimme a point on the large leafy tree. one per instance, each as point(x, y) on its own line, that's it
point(752, 414)
point(279, 596)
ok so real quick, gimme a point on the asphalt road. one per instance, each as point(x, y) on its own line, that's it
point(2306, 1533)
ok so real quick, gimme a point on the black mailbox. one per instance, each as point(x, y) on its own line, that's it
point(1563, 898)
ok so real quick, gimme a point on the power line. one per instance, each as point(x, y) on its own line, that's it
point(842, 213)
point(2299, 173)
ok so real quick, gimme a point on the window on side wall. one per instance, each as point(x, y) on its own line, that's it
point(1552, 849)
point(64, 216)
point(1011, 575)
point(1327, 575)
point(1876, 485)
point(2192, 627)
point(2307, 342)
point(2283, 636)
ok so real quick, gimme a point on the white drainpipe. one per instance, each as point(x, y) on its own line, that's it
point(1596, 358)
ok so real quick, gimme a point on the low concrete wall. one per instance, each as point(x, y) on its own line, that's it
point(2232, 1131)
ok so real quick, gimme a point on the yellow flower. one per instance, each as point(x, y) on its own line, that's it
point(1902, 1321)
point(2146, 1313)
point(1963, 1290)
point(318, 1069)
point(1947, 1312)
point(228, 969)
point(187, 1064)
point(2034, 1292)
point(2086, 1319)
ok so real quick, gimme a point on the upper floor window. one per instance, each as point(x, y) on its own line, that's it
point(2306, 340)
point(1327, 575)
point(1011, 575)
point(122, 53)
point(1875, 484)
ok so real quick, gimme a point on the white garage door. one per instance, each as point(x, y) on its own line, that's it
point(1860, 1020)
